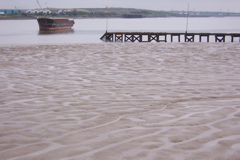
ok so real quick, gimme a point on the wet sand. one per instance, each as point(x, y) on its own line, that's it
point(120, 101)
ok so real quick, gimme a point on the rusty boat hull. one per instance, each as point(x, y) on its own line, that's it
point(51, 24)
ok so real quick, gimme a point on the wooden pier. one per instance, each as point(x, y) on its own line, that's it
point(165, 37)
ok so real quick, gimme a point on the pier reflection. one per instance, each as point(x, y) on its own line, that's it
point(70, 31)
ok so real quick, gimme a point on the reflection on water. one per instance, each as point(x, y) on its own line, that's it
point(69, 31)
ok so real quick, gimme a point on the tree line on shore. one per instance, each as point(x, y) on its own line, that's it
point(113, 12)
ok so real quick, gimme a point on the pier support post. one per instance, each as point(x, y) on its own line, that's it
point(219, 38)
point(137, 37)
point(145, 37)
point(203, 35)
point(164, 36)
point(109, 37)
point(233, 36)
point(133, 37)
point(118, 37)
point(189, 37)
point(128, 37)
point(153, 37)
point(178, 35)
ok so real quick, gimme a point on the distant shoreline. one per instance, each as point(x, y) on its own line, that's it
point(20, 17)
point(89, 13)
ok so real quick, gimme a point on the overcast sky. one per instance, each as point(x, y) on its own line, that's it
point(198, 5)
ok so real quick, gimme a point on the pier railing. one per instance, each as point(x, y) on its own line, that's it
point(165, 37)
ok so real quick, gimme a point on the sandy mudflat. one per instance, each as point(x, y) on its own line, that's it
point(167, 101)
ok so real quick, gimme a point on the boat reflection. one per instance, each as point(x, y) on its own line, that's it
point(69, 31)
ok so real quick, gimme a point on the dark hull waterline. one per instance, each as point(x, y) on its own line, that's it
point(50, 24)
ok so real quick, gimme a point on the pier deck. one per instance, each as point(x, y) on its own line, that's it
point(165, 37)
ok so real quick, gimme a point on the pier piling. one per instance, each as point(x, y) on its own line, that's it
point(164, 37)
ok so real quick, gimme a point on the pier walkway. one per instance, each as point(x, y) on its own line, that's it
point(165, 37)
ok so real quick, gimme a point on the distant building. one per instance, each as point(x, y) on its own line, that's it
point(64, 11)
point(31, 11)
point(45, 11)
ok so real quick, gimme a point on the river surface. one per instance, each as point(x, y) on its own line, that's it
point(16, 32)
point(120, 101)
point(86, 99)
